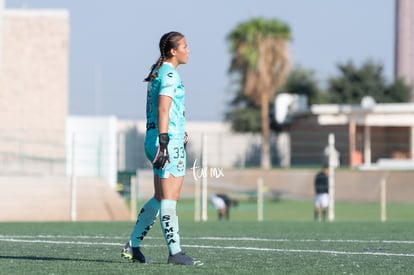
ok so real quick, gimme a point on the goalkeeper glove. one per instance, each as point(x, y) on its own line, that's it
point(185, 140)
point(162, 154)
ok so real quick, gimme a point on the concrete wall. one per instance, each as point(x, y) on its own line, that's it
point(34, 83)
point(29, 198)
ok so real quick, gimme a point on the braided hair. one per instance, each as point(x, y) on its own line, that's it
point(167, 42)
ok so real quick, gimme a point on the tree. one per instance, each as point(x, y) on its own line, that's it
point(302, 81)
point(397, 91)
point(355, 83)
point(259, 49)
point(244, 115)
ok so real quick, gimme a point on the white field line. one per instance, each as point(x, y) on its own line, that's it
point(213, 239)
point(302, 250)
point(307, 240)
point(4, 238)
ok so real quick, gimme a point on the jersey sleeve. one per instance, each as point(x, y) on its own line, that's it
point(168, 83)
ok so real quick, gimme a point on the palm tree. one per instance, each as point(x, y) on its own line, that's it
point(259, 49)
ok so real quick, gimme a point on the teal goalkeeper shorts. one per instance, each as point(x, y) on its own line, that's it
point(176, 151)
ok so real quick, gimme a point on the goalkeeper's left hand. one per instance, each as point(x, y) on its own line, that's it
point(185, 140)
point(162, 154)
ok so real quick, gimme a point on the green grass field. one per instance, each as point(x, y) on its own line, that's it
point(286, 242)
point(289, 210)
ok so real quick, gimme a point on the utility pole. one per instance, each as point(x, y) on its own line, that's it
point(404, 42)
point(1, 32)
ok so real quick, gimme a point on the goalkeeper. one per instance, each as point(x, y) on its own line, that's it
point(164, 146)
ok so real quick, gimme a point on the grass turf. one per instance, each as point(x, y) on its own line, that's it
point(294, 210)
point(357, 243)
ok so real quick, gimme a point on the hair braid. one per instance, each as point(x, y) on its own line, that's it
point(154, 70)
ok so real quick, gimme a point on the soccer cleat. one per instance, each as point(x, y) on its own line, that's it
point(132, 253)
point(181, 259)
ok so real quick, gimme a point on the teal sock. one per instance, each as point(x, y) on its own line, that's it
point(146, 219)
point(169, 225)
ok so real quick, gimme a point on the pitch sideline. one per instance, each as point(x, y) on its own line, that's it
point(43, 239)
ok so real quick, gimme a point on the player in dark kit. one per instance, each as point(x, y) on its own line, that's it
point(321, 194)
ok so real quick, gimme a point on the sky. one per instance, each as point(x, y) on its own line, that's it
point(113, 44)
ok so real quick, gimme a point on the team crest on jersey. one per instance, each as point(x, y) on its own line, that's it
point(170, 74)
point(180, 166)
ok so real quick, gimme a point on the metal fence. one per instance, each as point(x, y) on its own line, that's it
point(23, 156)
point(221, 149)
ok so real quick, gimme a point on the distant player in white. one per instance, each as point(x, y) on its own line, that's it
point(321, 194)
point(219, 204)
point(222, 203)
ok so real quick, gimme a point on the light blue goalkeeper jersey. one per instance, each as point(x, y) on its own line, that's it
point(167, 83)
